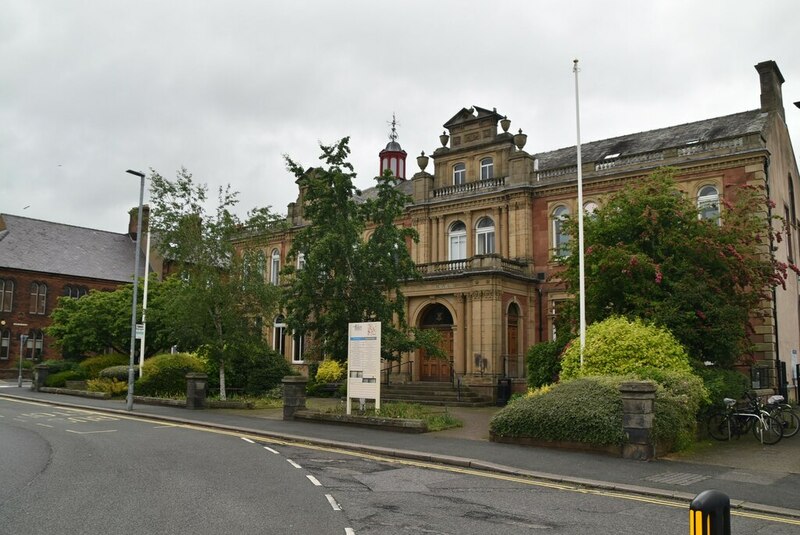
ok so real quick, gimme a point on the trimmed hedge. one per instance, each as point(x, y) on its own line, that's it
point(329, 371)
point(92, 366)
point(585, 410)
point(111, 386)
point(618, 346)
point(60, 365)
point(59, 380)
point(120, 373)
point(166, 374)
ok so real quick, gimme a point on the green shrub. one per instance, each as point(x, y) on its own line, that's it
point(587, 410)
point(723, 384)
point(166, 374)
point(329, 371)
point(255, 371)
point(618, 346)
point(93, 365)
point(119, 373)
point(60, 365)
point(59, 380)
point(544, 363)
point(112, 386)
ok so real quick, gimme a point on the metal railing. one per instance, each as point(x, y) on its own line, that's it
point(489, 262)
point(399, 366)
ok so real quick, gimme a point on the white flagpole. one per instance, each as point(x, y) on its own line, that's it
point(581, 276)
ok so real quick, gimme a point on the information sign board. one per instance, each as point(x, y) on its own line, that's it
point(364, 362)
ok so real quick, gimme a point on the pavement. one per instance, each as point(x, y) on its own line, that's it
point(764, 479)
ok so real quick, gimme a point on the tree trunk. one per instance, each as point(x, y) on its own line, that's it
point(222, 395)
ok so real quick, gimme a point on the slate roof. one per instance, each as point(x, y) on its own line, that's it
point(47, 247)
point(405, 186)
point(728, 126)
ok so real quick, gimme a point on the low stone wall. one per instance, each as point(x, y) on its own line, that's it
point(71, 392)
point(615, 450)
point(386, 424)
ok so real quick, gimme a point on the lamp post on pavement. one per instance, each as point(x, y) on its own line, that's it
point(129, 401)
point(22, 339)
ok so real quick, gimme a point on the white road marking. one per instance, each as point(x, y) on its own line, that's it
point(314, 480)
point(349, 531)
point(247, 440)
point(336, 506)
point(271, 450)
point(293, 463)
point(90, 432)
point(163, 426)
point(44, 425)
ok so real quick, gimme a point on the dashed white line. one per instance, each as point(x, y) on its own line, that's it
point(247, 440)
point(293, 463)
point(336, 506)
point(314, 480)
point(271, 450)
point(44, 425)
point(349, 531)
point(90, 432)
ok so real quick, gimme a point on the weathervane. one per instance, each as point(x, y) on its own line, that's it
point(394, 123)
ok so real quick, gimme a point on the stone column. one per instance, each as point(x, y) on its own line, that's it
point(40, 373)
point(294, 395)
point(638, 398)
point(196, 390)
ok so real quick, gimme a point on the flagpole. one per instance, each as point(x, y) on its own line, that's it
point(581, 276)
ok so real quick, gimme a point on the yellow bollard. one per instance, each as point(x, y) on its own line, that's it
point(710, 514)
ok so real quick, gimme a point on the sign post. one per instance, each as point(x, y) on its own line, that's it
point(22, 339)
point(364, 362)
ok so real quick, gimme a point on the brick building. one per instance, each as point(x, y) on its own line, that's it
point(41, 261)
point(488, 218)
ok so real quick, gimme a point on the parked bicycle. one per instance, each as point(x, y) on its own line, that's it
point(734, 422)
point(784, 413)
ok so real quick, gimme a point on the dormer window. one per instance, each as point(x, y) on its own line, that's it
point(459, 174)
point(487, 169)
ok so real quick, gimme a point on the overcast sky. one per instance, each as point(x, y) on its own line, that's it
point(89, 89)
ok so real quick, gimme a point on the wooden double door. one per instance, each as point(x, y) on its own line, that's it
point(438, 369)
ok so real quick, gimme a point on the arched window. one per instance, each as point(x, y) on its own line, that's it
point(560, 236)
point(6, 295)
point(275, 267)
point(708, 203)
point(279, 335)
point(261, 265)
point(301, 261)
point(487, 169)
point(298, 347)
point(589, 208)
point(5, 343)
point(38, 298)
point(458, 241)
point(484, 236)
point(75, 292)
point(459, 174)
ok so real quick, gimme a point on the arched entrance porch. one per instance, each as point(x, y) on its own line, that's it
point(437, 317)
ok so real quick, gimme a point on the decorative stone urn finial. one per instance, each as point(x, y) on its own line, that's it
point(505, 122)
point(520, 139)
point(422, 161)
point(444, 138)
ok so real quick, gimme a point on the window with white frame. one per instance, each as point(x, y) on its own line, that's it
point(487, 169)
point(6, 295)
point(708, 203)
point(589, 208)
point(301, 261)
point(38, 298)
point(5, 343)
point(275, 267)
point(35, 344)
point(458, 241)
point(279, 335)
point(459, 174)
point(560, 236)
point(298, 348)
point(484, 236)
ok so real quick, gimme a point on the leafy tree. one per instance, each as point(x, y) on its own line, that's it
point(216, 302)
point(346, 278)
point(649, 255)
point(101, 320)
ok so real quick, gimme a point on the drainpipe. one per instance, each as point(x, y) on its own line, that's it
point(539, 313)
point(774, 290)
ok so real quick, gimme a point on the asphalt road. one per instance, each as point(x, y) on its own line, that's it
point(69, 471)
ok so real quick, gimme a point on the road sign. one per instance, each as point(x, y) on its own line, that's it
point(139, 331)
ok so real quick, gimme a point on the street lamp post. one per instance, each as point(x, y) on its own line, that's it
point(129, 401)
point(22, 339)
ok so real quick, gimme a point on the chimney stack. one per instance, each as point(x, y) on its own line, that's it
point(771, 81)
point(134, 220)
